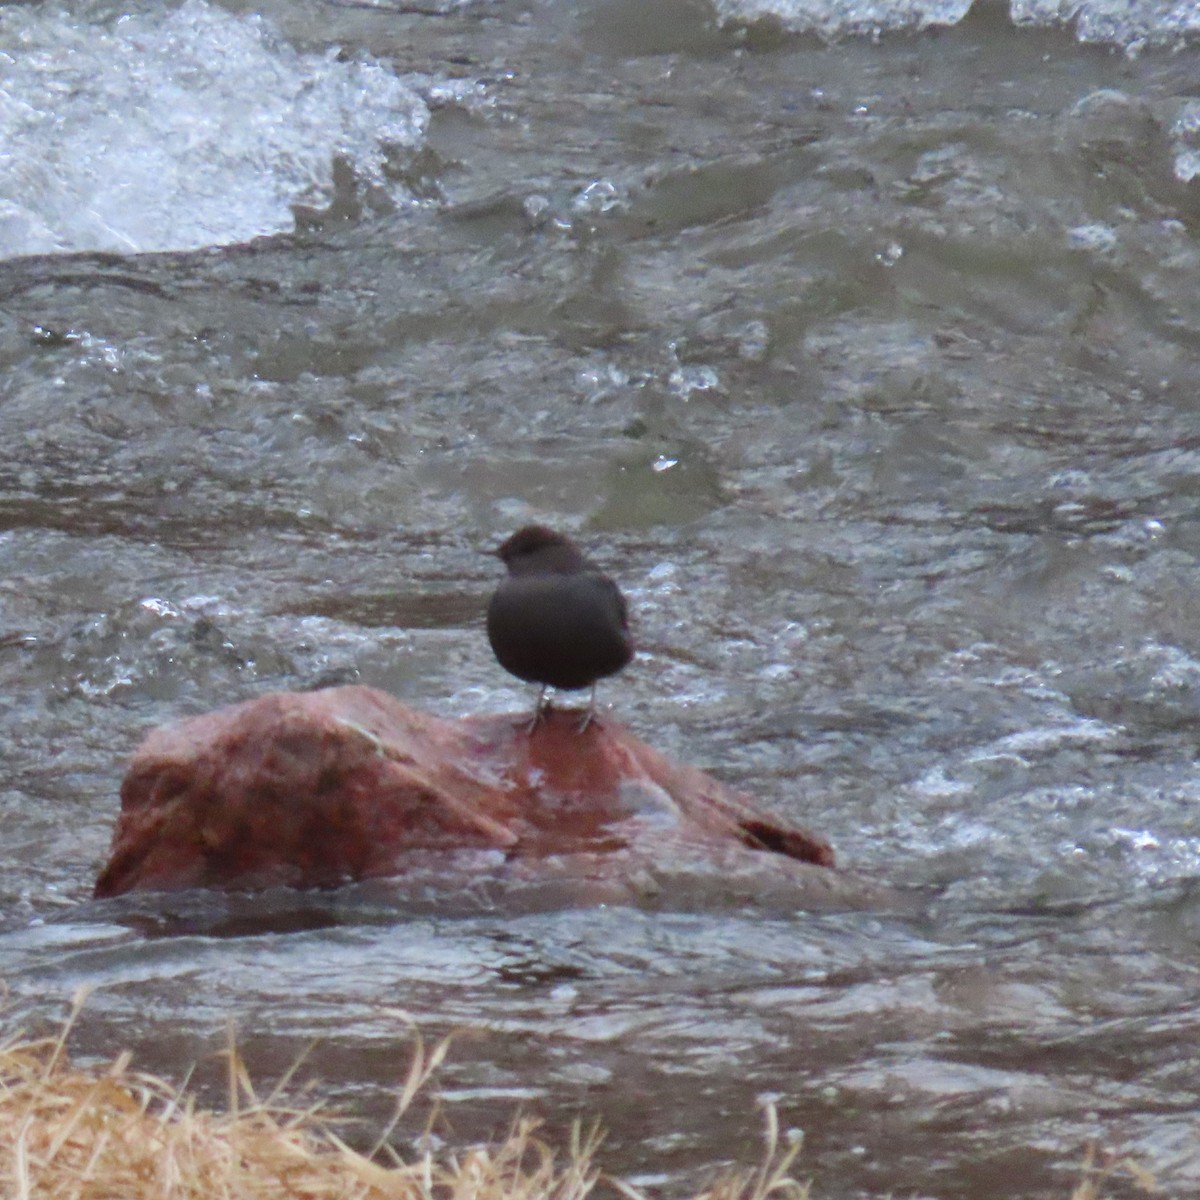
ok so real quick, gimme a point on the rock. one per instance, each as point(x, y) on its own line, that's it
point(321, 788)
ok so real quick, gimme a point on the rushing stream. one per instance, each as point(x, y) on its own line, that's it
point(859, 342)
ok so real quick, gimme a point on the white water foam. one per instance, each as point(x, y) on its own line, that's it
point(835, 18)
point(179, 128)
point(1132, 24)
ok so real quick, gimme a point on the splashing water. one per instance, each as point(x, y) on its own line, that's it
point(172, 130)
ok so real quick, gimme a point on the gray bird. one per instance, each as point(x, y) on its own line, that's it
point(557, 619)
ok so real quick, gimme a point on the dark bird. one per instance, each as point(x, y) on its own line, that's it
point(557, 619)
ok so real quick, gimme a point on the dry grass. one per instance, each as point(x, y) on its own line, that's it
point(116, 1134)
point(1101, 1168)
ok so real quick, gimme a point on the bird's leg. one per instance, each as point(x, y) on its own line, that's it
point(589, 713)
point(539, 711)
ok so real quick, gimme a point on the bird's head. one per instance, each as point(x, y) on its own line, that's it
point(539, 548)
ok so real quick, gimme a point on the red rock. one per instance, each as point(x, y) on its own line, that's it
point(319, 788)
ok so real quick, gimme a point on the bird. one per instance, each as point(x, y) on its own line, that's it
point(556, 619)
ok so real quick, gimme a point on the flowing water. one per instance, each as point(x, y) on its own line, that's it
point(859, 342)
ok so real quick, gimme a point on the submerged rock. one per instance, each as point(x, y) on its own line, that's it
point(322, 788)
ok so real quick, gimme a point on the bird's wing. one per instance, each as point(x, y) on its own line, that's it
point(613, 593)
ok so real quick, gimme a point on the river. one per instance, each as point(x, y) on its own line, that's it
point(860, 342)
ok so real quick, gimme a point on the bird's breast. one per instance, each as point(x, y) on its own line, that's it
point(564, 630)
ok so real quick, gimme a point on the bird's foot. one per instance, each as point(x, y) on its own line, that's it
point(589, 714)
point(540, 711)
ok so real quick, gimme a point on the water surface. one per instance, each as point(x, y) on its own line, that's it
point(866, 363)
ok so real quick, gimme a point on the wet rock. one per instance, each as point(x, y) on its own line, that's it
point(321, 788)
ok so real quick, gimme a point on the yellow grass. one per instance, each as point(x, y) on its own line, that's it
point(116, 1134)
point(1100, 1168)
